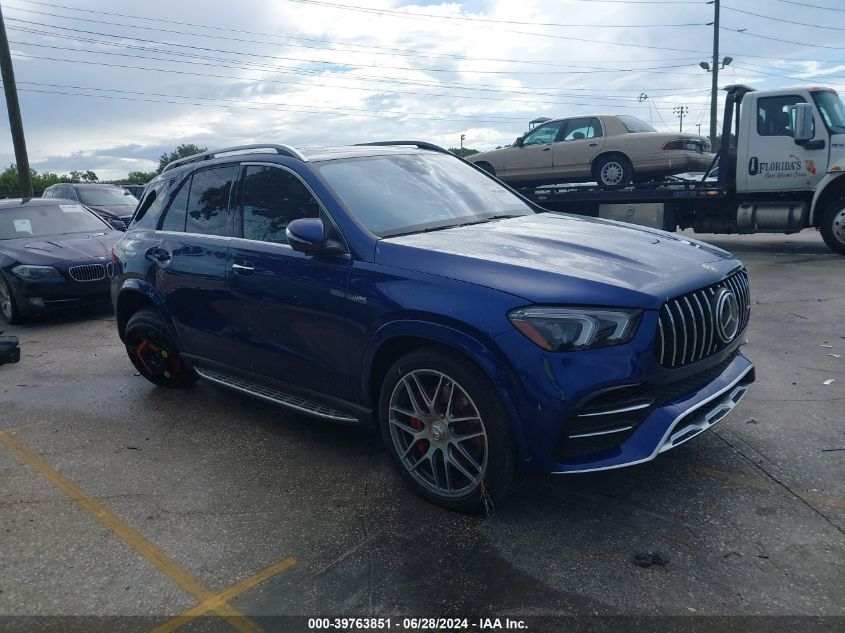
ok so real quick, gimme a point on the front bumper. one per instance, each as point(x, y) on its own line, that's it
point(674, 423)
point(43, 295)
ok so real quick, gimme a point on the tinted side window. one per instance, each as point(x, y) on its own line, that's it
point(776, 116)
point(174, 219)
point(272, 198)
point(208, 201)
point(152, 204)
point(579, 129)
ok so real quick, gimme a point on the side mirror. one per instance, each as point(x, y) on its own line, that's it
point(803, 131)
point(307, 235)
point(518, 142)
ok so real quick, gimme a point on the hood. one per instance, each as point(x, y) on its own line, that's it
point(564, 259)
point(56, 249)
point(117, 211)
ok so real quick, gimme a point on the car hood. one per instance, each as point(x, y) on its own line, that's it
point(55, 249)
point(115, 210)
point(564, 259)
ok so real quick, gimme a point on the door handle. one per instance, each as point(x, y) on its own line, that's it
point(161, 255)
point(546, 149)
point(594, 144)
point(243, 268)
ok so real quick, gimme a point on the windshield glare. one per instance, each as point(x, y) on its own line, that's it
point(105, 197)
point(831, 108)
point(399, 194)
point(41, 221)
point(633, 124)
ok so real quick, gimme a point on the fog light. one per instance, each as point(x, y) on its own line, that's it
point(38, 302)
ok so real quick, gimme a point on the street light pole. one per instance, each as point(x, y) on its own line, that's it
point(463, 136)
point(15, 121)
point(714, 90)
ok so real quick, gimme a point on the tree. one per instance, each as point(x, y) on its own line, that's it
point(182, 151)
point(10, 187)
point(83, 176)
point(137, 178)
point(463, 152)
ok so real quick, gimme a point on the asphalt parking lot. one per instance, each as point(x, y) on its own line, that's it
point(121, 499)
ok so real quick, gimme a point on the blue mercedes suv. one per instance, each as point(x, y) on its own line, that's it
point(398, 286)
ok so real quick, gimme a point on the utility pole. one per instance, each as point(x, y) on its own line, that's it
point(681, 111)
point(714, 90)
point(463, 136)
point(15, 121)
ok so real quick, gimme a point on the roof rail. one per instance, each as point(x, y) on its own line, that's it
point(419, 144)
point(283, 150)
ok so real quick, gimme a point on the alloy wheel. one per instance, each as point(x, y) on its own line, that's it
point(438, 433)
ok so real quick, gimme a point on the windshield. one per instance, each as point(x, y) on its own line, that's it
point(105, 197)
point(633, 124)
point(54, 219)
point(832, 110)
point(400, 194)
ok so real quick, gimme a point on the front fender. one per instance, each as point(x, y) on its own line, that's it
point(821, 188)
point(133, 288)
point(488, 357)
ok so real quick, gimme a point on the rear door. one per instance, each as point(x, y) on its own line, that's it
point(289, 322)
point(579, 143)
point(533, 160)
point(189, 256)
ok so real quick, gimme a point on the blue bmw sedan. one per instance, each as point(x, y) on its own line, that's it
point(396, 285)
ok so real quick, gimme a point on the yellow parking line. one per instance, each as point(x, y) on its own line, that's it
point(140, 544)
point(214, 602)
point(762, 484)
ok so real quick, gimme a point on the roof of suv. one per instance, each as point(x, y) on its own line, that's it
point(86, 185)
point(307, 154)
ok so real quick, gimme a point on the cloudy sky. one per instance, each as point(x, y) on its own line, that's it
point(109, 86)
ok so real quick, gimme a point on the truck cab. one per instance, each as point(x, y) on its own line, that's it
point(788, 163)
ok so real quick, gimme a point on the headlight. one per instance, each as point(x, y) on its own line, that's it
point(35, 272)
point(569, 329)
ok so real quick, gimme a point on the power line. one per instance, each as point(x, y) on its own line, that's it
point(403, 52)
point(769, 17)
point(812, 6)
point(790, 76)
point(380, 50)
point(587, 71)
point(781, 40)
point(196, 74)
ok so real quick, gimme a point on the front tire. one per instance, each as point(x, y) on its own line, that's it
point(832, 226)
point(153, 352)
point(8, 307)
point(613, 171)
point(446, 428)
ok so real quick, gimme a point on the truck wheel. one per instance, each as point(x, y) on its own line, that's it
point(487, 167)
point(447, 430)
point(833, 226)
point(8, 307)
point(613, 171)
point(154, 354)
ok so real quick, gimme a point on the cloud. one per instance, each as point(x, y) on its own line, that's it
point(317, 75)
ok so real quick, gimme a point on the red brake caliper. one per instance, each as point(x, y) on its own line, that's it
point(422, 445)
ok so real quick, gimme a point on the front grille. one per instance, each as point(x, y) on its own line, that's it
point(687, 329)
point(88, 272)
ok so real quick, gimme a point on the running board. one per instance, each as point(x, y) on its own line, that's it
point(274, 395)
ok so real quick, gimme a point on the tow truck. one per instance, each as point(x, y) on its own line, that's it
point(781, 170)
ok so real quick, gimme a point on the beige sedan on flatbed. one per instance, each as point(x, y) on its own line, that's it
point(608, 149)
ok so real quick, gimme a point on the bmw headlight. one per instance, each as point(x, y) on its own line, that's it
point(569, 329)
point(35, 272)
